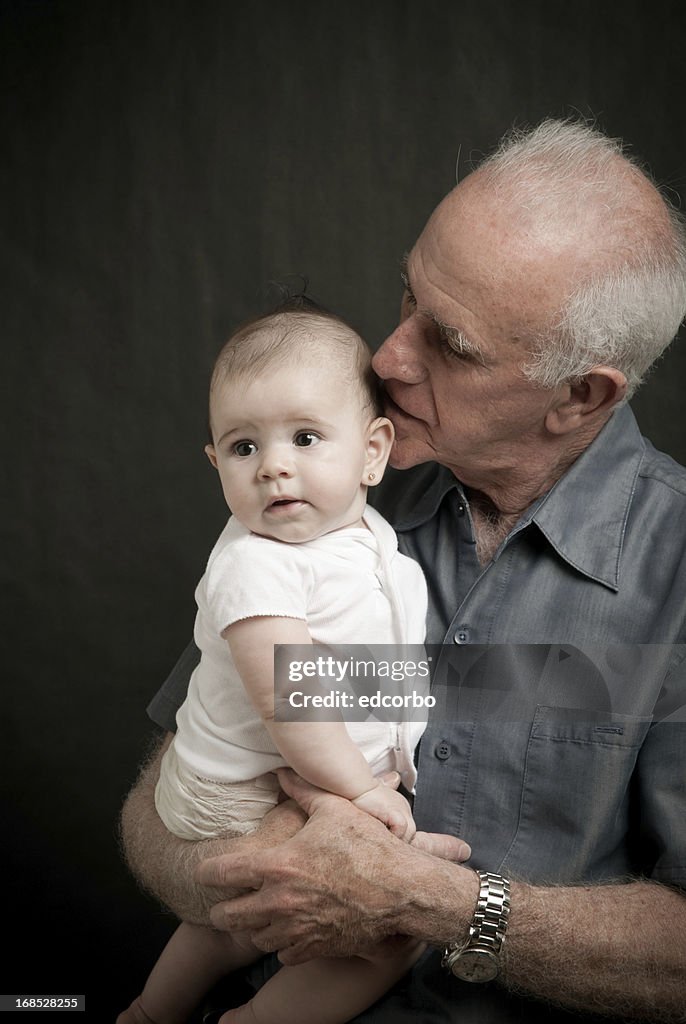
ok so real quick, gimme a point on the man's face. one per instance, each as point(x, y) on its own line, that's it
point(475, 293)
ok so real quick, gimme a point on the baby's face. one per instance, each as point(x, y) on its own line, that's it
point(292, 451)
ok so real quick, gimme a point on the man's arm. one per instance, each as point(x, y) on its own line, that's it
point(165, 865)
point(609, 949)
point(342, 883)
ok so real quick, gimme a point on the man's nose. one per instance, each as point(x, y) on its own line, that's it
point(276, 461)
point(400, 356)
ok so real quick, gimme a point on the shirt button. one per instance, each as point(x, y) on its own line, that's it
point(461, 509)
point(462, 636)
point(442, 751)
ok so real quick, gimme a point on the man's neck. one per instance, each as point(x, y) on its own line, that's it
point(499, 499)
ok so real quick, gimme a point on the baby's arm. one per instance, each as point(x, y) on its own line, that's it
point(322, 752)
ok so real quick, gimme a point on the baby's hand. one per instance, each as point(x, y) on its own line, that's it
point(390, 808)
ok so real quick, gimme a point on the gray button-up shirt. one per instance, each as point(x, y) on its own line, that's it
point(557, 747)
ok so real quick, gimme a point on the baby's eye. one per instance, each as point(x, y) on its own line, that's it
point(244, 448)
point(305, 439)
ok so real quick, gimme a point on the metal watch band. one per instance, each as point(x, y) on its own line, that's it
point(489, 924)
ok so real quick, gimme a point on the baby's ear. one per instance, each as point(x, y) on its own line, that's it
point(380, 436)
point(211, 454)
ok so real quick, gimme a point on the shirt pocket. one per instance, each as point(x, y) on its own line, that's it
point(574, 815)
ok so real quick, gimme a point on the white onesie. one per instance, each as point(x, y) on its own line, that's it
point(351, 586)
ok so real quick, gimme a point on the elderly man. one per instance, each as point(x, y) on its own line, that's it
point(538, 295)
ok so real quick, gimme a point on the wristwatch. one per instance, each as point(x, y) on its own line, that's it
point(479, 958)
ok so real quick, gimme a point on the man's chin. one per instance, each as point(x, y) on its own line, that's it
point(407, 453)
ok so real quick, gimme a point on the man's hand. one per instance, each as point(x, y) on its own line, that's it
point(309, 798)
point(338, 886)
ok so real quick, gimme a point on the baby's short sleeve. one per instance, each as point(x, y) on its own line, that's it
point(254, 576)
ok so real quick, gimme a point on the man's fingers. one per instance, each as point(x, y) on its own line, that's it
point(269, 936)
point(229, 871)
point(445, 847)
point(300, 953)
point(242, 913)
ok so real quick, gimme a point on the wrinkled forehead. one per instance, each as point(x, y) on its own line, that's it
point(479, 247)
point(574, 225)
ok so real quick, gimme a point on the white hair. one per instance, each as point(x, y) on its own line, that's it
point(624, 314)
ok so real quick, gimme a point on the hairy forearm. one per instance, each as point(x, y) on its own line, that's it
point(340, 885)
point(165, 865)
point(615, 950)
point(618, 950)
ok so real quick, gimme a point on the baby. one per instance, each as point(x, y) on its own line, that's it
point(297, 439)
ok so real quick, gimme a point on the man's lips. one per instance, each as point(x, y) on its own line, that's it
point(392, 407)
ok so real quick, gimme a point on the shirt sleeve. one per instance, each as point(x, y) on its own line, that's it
point(254, 577)
point(169, 698)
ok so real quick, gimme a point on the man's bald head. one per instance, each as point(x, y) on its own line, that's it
point(594, 236)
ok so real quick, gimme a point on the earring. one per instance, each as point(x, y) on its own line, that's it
point(371, 476)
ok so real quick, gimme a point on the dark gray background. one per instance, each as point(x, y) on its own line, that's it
point(160, 162)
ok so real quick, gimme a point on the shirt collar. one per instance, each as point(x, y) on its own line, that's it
point(416, 494)
point(583, 516)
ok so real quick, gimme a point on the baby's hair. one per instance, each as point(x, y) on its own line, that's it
point(284, 335)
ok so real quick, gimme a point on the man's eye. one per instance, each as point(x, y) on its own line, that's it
point(450, 350)
point(244, 448)
point(305, 439)
point(408, 296)
point(456, 346)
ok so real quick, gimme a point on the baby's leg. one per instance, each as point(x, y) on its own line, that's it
point(193, 960)
point(325, 991)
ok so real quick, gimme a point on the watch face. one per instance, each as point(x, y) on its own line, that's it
point(476, 965)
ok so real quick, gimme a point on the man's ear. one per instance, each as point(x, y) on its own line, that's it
point(380, 436)
point(589, 400)
point(211, 454)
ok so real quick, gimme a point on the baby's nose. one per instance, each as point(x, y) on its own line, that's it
point(275, 462)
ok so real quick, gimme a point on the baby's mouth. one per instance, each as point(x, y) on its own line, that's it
point(284, 503)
